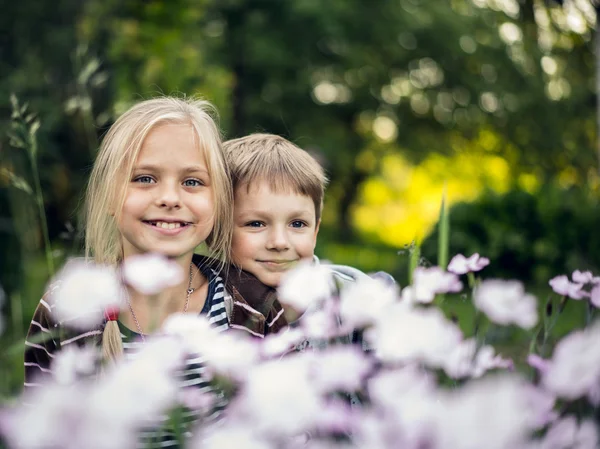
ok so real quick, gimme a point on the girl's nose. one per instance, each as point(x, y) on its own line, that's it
point(169, 196)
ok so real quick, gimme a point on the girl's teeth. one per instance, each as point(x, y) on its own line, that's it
point(164, 225)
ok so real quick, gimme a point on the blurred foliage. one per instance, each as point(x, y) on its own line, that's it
point(398, 100)
point(530, 237)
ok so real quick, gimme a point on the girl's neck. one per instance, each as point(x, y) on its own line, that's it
point(150, 312)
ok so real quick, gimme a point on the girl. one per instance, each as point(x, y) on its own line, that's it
point(159, 184)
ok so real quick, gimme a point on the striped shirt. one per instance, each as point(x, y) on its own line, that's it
point(43, 343)
point(192, 375)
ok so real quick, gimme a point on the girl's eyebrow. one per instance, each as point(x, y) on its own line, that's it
point(156, 168)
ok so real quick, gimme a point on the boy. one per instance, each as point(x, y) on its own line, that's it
point(278, 200)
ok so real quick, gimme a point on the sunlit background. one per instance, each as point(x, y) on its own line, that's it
point(488, 103)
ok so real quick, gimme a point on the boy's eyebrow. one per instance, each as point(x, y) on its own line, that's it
point(153, 168)
point(268, 212)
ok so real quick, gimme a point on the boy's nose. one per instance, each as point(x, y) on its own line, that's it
point(278, 240)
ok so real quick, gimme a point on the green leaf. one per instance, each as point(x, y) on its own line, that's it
point(90, 68)
point(16, 140)
point(16, 181)
point(34, 128)
point(14, 101)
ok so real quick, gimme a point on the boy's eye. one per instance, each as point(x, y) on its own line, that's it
point(255, 224)
point(298, 224)
point(144, 179)
point(192, 183)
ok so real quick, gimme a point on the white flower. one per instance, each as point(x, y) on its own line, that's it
point(494, 412)
point(505, 302)
point(362, 302)
point(150, 274)
point(463, 362)
point(566, 432)
point(279, 397)
point(427, 282)
point(282, 342)
point(195, 331)
point(305, 284)
point(229, 354)
point(54, 409)
point(340, 368)
point(65, 418)
point(574, 369)
point(84, 290)
point(231, 436)
point(73, 362)
point(459, 362)
point(408, 399)
point(461, 265)
point(487, 359)
point(407, 334)
point(136, 393)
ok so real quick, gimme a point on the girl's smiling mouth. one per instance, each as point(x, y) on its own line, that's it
point(168, 227)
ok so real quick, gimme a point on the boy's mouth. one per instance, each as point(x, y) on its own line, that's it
point(278, 264)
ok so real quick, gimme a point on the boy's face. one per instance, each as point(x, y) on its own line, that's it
point(272, 231)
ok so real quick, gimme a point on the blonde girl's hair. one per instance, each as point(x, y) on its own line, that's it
point(113, 167)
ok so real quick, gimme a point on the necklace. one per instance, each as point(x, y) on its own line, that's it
point(188, 292)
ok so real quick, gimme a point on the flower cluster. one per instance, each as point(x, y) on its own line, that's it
point(416, 381)
point(575, 288)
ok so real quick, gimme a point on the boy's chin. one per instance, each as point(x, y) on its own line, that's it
point(270, 280)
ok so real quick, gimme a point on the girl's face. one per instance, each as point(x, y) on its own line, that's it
point(169, 206)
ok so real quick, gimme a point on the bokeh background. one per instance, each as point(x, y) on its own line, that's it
point(491, 103)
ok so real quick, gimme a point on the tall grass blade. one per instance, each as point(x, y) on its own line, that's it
point(443, 234)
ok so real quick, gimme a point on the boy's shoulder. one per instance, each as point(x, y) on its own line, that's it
point(347, 274)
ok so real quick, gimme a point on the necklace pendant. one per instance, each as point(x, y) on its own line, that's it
point(190, 291)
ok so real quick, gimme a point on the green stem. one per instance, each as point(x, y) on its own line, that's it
point(40, 203)
point(471, 279)
point(16, 312)
point(415, 255)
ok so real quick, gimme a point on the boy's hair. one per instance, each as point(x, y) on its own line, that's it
point(271, 158)
point(112, 170)
point(113, 166)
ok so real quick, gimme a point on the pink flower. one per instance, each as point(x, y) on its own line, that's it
point(427, 282)
point(595, 296)
point(461, 264)
point(582, 277)
point(505, 302)
point(535, 361)
point(574, 369)
point(562, 286)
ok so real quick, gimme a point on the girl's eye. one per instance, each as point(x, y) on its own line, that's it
point(192, 183)
point(298, 224)
point(144, 179)
point(255, 224)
